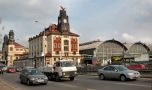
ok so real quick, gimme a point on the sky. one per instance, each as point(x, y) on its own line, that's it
point(123, 20)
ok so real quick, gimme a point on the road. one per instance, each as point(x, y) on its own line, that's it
point(82, 82)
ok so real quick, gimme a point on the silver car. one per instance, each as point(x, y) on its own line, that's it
point(32, 76)
point(117, 72)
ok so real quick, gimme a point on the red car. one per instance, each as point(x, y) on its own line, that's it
point(11, 70)
point(136, 66)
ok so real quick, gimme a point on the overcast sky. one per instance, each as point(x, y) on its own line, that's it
point(123, 20)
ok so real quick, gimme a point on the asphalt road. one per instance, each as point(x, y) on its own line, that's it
point(82, 82)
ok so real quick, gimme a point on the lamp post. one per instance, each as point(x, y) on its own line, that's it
point(44, 44)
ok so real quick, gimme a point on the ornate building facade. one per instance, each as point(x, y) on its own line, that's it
point(12, 50)
point(55, 42)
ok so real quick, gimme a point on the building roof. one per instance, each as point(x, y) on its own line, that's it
point(150, 46)
point(52, 30)
point(127, 45)
point(17, 45)
point(119, 43)
point(90, 45)
point(144, 45)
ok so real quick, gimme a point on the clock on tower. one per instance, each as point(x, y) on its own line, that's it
point(63, 21)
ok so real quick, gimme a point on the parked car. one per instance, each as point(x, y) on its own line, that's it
point(1, 69)
point(136, 66)
point(18, 69)
point(11, 69)
point(118, 72)
point(31, 76)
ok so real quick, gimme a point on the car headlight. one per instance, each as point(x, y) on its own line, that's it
point(130, 73)
point(63, 73)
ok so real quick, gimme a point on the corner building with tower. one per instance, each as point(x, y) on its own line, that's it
point(55, 43)
point(11, 50)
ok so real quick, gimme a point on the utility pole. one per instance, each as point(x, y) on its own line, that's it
point(44, 44)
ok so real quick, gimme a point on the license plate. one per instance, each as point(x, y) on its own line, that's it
point(40, 80)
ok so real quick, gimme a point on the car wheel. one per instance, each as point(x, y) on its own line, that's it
point(57, 78)
point(101, 77)
point(50, 77)
point(71, 78)
point(21, 81)
point(28, 82)
point(123, 78)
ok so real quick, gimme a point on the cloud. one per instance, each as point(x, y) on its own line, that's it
point(123, 20)
point(127, 37)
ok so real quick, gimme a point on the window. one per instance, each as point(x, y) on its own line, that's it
point(11, 48)
point(17, 57)
point(109, 68)
point(59, 45)
point(66, 48)
point(66, 42)
point(57, 52)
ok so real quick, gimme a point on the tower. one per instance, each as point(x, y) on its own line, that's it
point(63, 22)
point(11, 37)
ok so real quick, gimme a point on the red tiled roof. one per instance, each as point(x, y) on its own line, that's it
point(17, 45)
point(52, 30)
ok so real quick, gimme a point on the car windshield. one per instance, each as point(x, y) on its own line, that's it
point(67, 64)
point(121, 68)
point(34, 72)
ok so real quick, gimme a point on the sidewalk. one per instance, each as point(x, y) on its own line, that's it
point(4, 86)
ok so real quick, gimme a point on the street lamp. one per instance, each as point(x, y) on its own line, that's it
point(44, 44)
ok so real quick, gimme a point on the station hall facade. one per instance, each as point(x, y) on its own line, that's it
point(112, 50)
